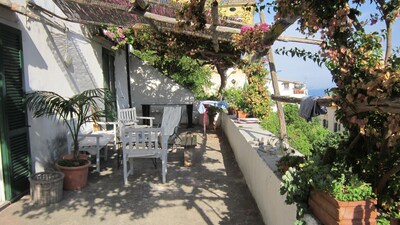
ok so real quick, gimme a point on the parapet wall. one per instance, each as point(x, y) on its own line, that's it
point(259, 168)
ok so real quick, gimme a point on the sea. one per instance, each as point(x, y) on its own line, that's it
point(317, 92)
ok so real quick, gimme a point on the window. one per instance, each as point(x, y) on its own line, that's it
point(286, 86)
point(336, 127)
point(325, 123)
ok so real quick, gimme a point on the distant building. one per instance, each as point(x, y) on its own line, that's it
point(235, 10)
point(329, 120)
point(237, 79)
point(289, 88)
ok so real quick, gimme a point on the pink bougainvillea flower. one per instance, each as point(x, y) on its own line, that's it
point(245, 29)
point(263, 27)
point(373, 21)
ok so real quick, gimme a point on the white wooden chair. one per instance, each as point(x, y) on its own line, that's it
point(144, 142)
point(129, 117)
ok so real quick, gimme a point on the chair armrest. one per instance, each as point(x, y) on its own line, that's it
point(108, 123)
point(147, 118)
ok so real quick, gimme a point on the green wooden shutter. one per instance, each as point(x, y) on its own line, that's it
point(15, 148)
point(109, 82)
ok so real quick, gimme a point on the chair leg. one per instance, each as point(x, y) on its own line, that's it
point(98, 161)
point(125, 169)
point(105, 152)
point(164, 167)
point(131, 166)
point(154, 162)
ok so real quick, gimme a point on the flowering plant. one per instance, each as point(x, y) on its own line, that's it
point(119, 35)
point(250, 38)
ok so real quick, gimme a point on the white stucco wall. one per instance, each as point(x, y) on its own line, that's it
point(151, 87)
point(259, 172)
point(63, 61)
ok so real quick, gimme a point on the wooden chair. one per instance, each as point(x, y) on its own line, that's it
point(143, 142)
point(129, 117)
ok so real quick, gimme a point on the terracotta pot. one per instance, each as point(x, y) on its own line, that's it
point(241, 114)
point(331, 211)
point(81, 156)
point(75, 178)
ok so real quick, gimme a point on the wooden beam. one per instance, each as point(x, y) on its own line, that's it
point(215, 23)
point(18, 9)
point(284, 38)
point(271, 62)
point(277, 29)
point(321, 101)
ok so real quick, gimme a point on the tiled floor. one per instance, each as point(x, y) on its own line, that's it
point(211, 191)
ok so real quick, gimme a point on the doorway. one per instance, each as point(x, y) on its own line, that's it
point(14, 139)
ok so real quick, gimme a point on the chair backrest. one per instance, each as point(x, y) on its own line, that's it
point(143, 141)
point(127, 116)
point(170, 119)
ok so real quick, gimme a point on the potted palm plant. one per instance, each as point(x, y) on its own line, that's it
point(74, 112)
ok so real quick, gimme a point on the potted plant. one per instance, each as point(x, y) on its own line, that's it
point(346, 201)
point(234, 98)
point(327, 187)
point(74, 112)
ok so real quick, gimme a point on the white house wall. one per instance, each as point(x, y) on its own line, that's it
point(52, 66)
point(151, 87)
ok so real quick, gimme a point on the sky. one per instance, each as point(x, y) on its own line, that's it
point(308, 72)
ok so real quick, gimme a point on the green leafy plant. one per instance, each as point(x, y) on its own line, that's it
point(256, 96)
point(302, 135)
point(287, 161)
point(351, 189)
point(74, 112)
point(234, 97)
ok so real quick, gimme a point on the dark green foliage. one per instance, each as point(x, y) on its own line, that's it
point(188, 72)
point(302, 134)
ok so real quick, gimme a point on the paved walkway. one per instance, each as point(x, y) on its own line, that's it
point(211, 191)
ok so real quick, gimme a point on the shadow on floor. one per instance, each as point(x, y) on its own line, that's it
point(211, 191)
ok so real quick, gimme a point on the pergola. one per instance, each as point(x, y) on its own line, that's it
point(161, 16)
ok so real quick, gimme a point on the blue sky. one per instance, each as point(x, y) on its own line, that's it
point(309, 72)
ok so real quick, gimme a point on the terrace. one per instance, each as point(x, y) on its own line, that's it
point(215, 201)
point(211, 191)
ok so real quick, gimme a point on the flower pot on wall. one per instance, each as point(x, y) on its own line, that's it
point(75, 178)
point(241, 114)
point(331, 211)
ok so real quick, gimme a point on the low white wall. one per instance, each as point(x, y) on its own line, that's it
point(258, 171)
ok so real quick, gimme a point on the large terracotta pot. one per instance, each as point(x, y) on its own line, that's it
point(75, 178)
point(331, 211)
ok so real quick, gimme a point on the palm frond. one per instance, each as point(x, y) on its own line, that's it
point(74, 111)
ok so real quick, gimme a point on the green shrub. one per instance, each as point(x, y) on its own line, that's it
point(302, 135)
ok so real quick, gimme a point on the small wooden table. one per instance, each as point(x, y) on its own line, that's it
point(188, 141)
